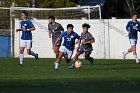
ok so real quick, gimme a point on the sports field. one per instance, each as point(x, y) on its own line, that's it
point(105, 76)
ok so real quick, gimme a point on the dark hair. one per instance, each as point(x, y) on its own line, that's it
point(70, 25)
point(51, 17)
point(86, 25)
point(25, 13)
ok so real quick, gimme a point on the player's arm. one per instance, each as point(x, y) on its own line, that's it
point(92, 40)
point(128, 28)
point(62, 29)
point(60, 38)
point(57, 40)
point(20, 29)
point(89, 42)
point(138, 29)
point(31, 29)
point(49, 33)
point(78, 41)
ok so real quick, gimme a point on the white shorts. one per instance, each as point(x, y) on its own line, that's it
point(133, 42)
point(26, 44)
point(67, 52)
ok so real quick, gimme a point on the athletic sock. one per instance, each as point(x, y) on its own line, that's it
point(135, 56)
point(56, 65)
point(21, 58)
point(126, 53)
point(33, 54)
point(56, 55)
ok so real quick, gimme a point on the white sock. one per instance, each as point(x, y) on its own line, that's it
point(135, 56)
point(126, 52)
point(21, 58)
point(56, 65)
point(33, 54)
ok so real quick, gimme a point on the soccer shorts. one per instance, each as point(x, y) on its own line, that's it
point(133, 42)
point(86, 51)
point(53, 41)
point(26, 44)
point(66, 52)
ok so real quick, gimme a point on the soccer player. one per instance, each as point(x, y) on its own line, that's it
point(55, 30)
point(26, 39)
point(132, 28)
point(66, 49)
point(86, 45)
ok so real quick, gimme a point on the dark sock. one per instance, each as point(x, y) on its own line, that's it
point(89, 59)
point(56, 55)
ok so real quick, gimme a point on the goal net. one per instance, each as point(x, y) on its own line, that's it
point(41, 42)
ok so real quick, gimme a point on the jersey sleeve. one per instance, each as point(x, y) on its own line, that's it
point(139, 26)
point(30, 24)
point(91, 37)
point(62, 35)
point(21, 23)
point(77, 36)
point(49, 27)
point(127, 26)
point(61, 28)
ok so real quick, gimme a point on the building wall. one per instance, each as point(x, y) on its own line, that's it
point(110, 43)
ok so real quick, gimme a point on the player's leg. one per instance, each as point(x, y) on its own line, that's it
point(22, 47)
point(21, 55)
point(56, 50)
point(134, 52)
point(57, 62)
point(75, 58)
point(56, 47)
point(61, 54)
point(29, 52)
point(129, 50)
point(87, 57)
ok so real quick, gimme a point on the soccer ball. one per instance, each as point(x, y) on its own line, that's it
point(78, 64)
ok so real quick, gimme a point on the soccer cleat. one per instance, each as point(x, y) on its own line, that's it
point(36, 57)
point(137, 61)
point(92, 60)
point(68, 60)
point(21, 63)
point(124, 55)
point(71, 67)
point(56, 69)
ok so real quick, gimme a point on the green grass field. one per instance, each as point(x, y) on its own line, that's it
point(105, 76)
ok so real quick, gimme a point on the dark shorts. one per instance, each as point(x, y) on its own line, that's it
point(53, 41)
point(87, 51)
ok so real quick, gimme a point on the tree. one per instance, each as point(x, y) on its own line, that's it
point(41, 3)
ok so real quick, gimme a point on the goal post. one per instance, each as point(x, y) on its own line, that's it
point(41, 43)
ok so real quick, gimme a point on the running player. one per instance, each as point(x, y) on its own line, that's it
point(26, 39)
point(68, 46)
point(132, 27)
point(86, 45)
point(55, 30)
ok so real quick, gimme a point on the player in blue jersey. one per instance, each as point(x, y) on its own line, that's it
point(26, 38)
point(132, 27)
point(67, 48)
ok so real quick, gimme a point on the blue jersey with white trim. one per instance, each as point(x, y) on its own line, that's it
point(69, 39)
point(131, 27)
point(27, 24)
